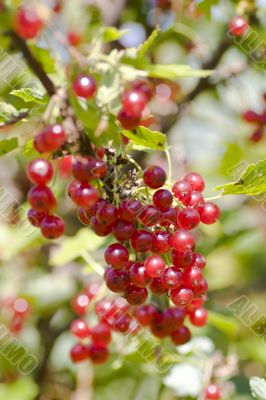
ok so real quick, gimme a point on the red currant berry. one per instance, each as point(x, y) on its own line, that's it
point(196, 200)
point(196, 181)
point(134, 102)
point(181, 336)
point(27, 23)
point(198, 317)
point(98, 354)
point(159, 326)
point(201, 288)
point(41, 199)
point(145, 314)
point(88, 168)
point(143, 86)
point(212, 392)
point(141, 241)
point(188, 218)
point(257, 135)
point(123, 230)
point(122, 323)
point(154, 177)
point(182, 241)
point(107, 213)
point(178, 316)
point(80, 303)
point(117, 280)
point(21, 307)
point(116, 255)
point(35, 218)
point(127, 120)
point(172, 278)
point(198, 260)
point(80, 329)
point(99, 228)
point(130, 209)
point(182, 260)
point(162, 199)
point(79, 352)
point(52, 227)
point(136, 296)
point(192, 277)
point(101, 334)
point(84, 86)
point(52, 138)
point(238, 26)
point(154, 266)
point(93, 289)
point(169, 217)
point(40, 171)
point(251, 116)
point(65, 166)
point(161, 242)
point(157, 286)
point(182, 191)
point(74, 38)
point(150, 216)
point(85, 195)
point(181, 297)
point(138, 275)
point(83, 217)
point(210, 213)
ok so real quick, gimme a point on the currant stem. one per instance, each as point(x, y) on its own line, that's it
point(214, 197)
point(169, 165)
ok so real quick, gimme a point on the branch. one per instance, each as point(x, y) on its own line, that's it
point(14, 119)
point(33, 63)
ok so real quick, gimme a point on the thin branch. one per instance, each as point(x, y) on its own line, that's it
point(14, 119)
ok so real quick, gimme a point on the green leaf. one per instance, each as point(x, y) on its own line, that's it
point(251, 182)
point(28, 149)
point(173, 71)
point(7, 111)
point(110, 34)
point(45, 57)
point(146, 138)
point(145, 47)
point(22, 389)
point(206, 5)
point(8, 145)
point(30, 95)
point(72, 248)
point(258, 388)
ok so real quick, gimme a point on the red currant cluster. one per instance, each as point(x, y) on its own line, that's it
point(252, 117)
point(15, 312)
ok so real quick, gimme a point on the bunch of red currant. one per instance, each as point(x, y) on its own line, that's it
point(259, 120)
point(14, 312)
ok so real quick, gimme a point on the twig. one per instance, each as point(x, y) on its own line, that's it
point(14, 119)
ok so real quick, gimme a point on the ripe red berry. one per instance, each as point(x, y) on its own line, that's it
point(169, 217)
point(181, 297)
point(98, 354)
point(172, 278)
point(198, 317)
point(162, 199)
point(161, 242)
point(143, 86)
point(130, 209)
point(198, 260)
point(145, 314)
point(83, 217)
point(88, 168)
point(154, 177)
point(80, 303)
point(192, 277)
point(188, 218)
point(150, 216)
point(27, 23)
point(80, 329)
point(157, 286)
point(136, 296)
point(238, 26)
point(50, 139)
point(196, 181)
point(182, 259)
point(181, 336)
point(85, 195)
point(251, 116)
point(21, 307)
point(154, 266)
point(138, 275)
point(182, 191)
point(117, 280)
point(107, 213)
point(123, 230)
point(40, 171)
point(79, 352)
point(200, 288)
point(101, 334)
point(35, 218)
point(99, 228)
point(141, 241)
point(41, 199)
point(84, 86)
point(257, 135)
point(93, 289)
point(212, 392)
point(159, 326)
point(134, 102)
point(127, 120)
point(52, 227)
point(210, 213)
point(182, 241)
point(116, 255)
point(74, 38)
point(196, 200)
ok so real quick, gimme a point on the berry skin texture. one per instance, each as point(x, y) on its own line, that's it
point(99, 228)
point(213, 392)
point(138, 275)
point(101, 334)
point(154, 177)
point(98, 354)
point(182, 241)
point(116, 255)
point(192, 277)
point(182, 191)
point(84, 86)
point(161, 242)
point(198, 317)
point(182, 259)
point(134, 102)
point(79, 352)
point(162, 199)
point(136, 296)
point(196, 181)
point(80, 329)
point(181, 297)
point(52, 227)
point(123, 230)
point(181, 336)
point(129, 209)
point(238, 26)
point(127, 120)
point(85, 195)
point(150, 216)
point(198, 260)
point(157, 287)
point(41, 199)
point(80, 303)
point(27, 23)
point(88, 168)
point(210, 213)
point(117, 280)
point(141, 241)
point(40, 171)
point(188, 218)
point(83, 217)
point(154, 266)
point(145, 314)
point(106, 213)
point(172, 278)
point(35, 218)
point(50, 139)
